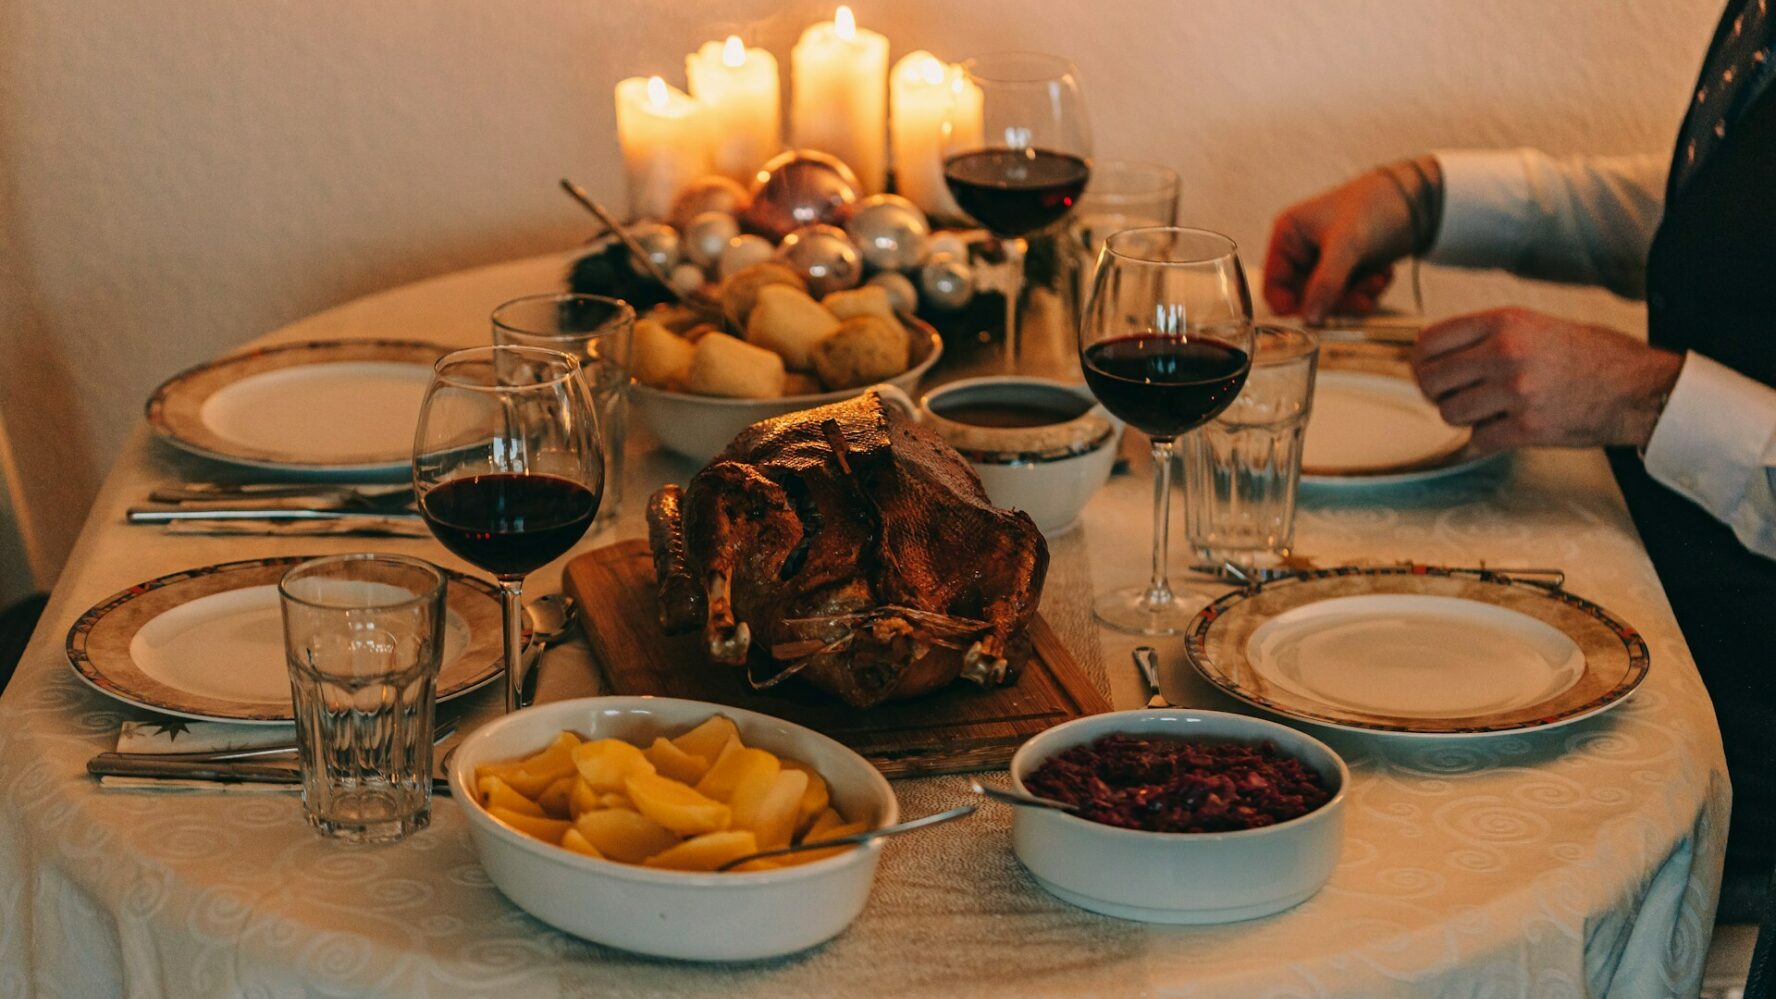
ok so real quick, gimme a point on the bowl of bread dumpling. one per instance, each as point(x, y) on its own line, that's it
point(774, 348)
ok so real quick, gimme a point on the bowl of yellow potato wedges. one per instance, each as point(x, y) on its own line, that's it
point(609, 818)
point(773, 349)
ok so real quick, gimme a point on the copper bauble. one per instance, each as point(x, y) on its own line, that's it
point(707, 194)
point(799, 188)
point(824, 256)
point(890, 232)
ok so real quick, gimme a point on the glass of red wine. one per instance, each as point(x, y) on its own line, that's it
point(508, 467)
point(1166, 344)
point(1017, 154)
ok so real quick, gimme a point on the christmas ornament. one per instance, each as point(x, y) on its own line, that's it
point(901, 293)
point(742, 252)
point(707, 194)
point(825, 256)
point(687, 278)
point(946, 282)
point(798, 188)
point(659, 241)
point(947, 242)
point(706, 236)
point(890, 232)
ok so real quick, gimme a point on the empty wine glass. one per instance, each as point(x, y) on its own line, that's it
point(1166, 344)
point(1017, 154)
point(508, 468)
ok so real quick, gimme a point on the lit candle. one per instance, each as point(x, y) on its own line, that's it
point(924, 89)
point(738, 89)
point(665, 141)
point(840, 99)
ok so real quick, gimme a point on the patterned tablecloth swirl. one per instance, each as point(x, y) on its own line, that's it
point(1581, 860)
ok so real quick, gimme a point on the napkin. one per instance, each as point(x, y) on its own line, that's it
point(177, 735)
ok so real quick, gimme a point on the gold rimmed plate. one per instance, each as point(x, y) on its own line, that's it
point(325, 407)
point(207, 643)
point(1417, 651)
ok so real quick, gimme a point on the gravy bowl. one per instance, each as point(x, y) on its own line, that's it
point(1039, 445)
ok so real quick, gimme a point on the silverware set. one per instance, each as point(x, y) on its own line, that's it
point(301, 509)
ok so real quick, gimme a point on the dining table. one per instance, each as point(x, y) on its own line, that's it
point(1581, 859)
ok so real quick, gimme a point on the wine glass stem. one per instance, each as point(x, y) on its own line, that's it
point(512, 619)
point(1159, 587)
point(1013, 285)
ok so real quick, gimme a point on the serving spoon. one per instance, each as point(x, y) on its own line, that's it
point(935, 818)
point(1018, 798)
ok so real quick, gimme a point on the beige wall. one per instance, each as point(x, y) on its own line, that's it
point(178, 176)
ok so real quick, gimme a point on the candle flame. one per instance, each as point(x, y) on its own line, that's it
point(845, 24)
point(932, 71)
point(656, 92)
point(733, 52)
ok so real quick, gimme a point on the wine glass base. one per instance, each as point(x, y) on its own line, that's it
point(1131, 609)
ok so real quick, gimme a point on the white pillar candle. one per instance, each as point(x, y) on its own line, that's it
point(665, 139)
point(925, 94)
point(839, 99)
point(738, 89)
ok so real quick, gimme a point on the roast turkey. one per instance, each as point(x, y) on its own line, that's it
point(850, 546)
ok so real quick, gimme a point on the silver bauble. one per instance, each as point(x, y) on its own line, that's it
point(707, 194)
point(947, 241)
point(659, 241)
point(946, 282)
point(798, 188)
point(706, 236)
point(742, 252)
point(825, 256)
point(687, 278)
point(901, 293)
point(890, 232)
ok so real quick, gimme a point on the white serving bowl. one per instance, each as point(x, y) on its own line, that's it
point(1180, 877)
point(676, 914)
point(1047, 471)
point(698, 426)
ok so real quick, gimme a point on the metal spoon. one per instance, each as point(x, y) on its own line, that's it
point(936, 818)
point(1020, 799)
point(552, 618)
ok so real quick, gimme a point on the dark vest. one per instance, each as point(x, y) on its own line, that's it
point(1711, 288)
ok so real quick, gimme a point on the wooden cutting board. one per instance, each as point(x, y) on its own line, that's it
point(956, 730)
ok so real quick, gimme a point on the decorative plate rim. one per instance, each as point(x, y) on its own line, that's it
point(80, 659)
point(167, 427)
point(1636, 668)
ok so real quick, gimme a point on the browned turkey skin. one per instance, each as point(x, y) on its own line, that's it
point(852, 547)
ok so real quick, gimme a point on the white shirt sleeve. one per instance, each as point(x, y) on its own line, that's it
point(1584, 219)
point(1716, 445)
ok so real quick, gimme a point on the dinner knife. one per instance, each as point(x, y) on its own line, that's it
point(225, 772)
point(242, 511)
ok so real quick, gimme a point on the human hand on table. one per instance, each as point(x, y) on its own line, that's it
point(1523, 378)
point(1335, 251)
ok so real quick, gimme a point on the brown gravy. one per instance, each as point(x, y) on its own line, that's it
point(1012, 414)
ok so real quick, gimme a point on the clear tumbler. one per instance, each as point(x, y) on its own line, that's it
point(1242, 469)
point(363, 637)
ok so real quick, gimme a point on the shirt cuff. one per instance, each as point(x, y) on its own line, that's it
point(1710, 442)
point(1488, 209)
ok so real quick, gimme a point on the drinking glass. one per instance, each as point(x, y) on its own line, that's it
point(600, 333)
point(1242, 469)
point(1165, 343)
point(508, 468)
point(1017, 153)
point(1122, 194)
point(363, 637)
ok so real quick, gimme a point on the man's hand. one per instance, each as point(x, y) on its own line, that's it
point(1334, 253)
point(1522, 378)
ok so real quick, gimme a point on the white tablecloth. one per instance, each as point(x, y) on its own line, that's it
point(1577, 861)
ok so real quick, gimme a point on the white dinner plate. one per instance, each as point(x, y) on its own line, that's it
point(208, 643)
point(1369, 428)
point(1417, 650)
point(334, 406)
